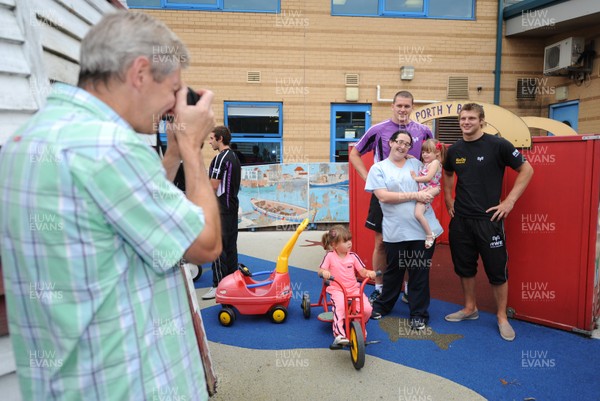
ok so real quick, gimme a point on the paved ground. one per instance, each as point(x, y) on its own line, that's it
point(299, 374)
point(315, 374)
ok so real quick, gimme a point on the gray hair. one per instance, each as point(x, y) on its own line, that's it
point(111, 46)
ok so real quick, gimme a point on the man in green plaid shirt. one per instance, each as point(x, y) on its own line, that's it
point(92, 230)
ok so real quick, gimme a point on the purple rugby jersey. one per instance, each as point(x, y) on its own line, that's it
point(378, 136)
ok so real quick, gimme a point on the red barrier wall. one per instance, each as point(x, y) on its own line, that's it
point(552, 235)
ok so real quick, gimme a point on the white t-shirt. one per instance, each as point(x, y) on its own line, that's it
point(399, 221)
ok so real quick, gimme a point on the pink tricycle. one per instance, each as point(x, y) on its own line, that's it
point(355, 325)
point(242, 292)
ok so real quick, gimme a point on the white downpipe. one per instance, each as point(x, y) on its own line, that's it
point(419, 101)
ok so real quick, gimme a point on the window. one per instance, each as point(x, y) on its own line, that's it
point(256, 131)
point(443, 9)
point(349, 123)
point(260, 6)
point(403, 7)
point(144, 3)
point(508, 3)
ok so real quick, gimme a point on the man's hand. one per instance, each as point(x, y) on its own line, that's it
point(450, 206)
point(193, 123)
point(525, 172)
point(502, 210)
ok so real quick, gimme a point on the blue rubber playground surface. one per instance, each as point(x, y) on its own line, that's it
point(540, 364)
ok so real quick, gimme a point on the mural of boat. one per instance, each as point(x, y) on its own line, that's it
point(337, 184)
point(280, 210)
point(330, 180)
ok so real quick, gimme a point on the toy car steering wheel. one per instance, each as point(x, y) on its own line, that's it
point(245, 271)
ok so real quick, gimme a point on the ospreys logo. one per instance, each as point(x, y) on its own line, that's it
point(461, 160)
point(496, 242)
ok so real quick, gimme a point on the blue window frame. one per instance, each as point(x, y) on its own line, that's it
point(440, 9)
point(256, 130)
point(256, 6)
point(349, 122)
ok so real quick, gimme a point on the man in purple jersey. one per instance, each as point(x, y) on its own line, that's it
point(376, 139)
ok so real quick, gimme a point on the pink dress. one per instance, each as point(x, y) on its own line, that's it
point(435, 181)
point(344, 270)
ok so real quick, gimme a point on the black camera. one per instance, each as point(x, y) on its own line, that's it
point(192, 97)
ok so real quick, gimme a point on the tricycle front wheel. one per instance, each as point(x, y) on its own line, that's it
point(357, 345)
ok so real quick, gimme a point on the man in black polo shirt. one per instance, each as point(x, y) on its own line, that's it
point(225, 175)
point(477, 225)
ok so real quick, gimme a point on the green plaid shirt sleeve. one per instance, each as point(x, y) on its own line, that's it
point(91, 231)
point(130, 187)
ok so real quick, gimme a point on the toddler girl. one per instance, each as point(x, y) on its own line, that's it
point(342, 264)
point(433, 153)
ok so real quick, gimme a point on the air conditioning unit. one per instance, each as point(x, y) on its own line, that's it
point(563, 54)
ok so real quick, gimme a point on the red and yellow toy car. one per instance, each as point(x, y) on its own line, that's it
point(242, 292)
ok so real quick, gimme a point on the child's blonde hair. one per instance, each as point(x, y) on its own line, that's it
point(335, 235)
point(432, 145)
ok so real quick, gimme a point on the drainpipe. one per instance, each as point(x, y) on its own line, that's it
point(498, 69)
point(415, 101)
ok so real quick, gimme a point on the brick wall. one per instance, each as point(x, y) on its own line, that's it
point(524, 58)
point(304, 52)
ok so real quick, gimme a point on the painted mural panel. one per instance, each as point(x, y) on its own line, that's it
point(329, 192)
point(280, 194)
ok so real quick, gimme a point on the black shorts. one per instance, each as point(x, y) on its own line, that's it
point(375, 216)
point(470, 238)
